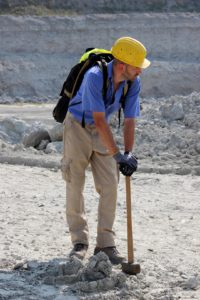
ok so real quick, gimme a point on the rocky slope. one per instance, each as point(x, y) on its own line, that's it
point(104, 6)
point(167, 135)
point(37, 52)
point(35, 240)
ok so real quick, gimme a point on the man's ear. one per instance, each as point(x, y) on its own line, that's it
point(121, 66)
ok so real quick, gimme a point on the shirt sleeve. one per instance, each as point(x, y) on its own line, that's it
point(132, 103)
point(92, 97)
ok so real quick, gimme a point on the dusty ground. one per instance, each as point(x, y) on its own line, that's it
point(35, 239)
point(33, 228)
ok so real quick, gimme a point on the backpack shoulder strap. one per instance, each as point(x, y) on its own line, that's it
point(123, 98)
point(93, 59)
point(85, 66)
point(103, 66)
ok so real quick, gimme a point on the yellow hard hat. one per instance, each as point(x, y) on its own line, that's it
point(131, 52)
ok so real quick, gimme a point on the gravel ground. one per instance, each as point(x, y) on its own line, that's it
point(35, 239)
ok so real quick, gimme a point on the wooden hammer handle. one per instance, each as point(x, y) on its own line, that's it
point(129, 220)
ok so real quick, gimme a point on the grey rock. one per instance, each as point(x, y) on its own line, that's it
point(56, 133)
point(34, 138)
point(172, 112)
point(72, 266)
point(5, 146)
point(97, 268)
point(55, 147)
point(192, 283)
point(183, 171)
point(192, 120)
point(12, 129)
point(66, 279)
point(196, 171)
point(160, 148)
point(49, 280)
point(4, 136)
point(177, 141)
point(18, 266)
point(6, 99)
point(33, 265)
point(43, 144)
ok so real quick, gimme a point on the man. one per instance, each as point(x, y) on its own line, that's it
point(94, 144)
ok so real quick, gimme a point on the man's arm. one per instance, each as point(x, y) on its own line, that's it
point(105, 132)
point(127, 163)
point(129, 133)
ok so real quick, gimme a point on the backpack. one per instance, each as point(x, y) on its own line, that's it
point(91, 57)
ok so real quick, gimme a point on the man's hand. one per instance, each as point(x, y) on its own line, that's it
point(131, 157)
point(134, 163)
point(127, 163)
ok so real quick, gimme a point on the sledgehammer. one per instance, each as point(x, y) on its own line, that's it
point(129, 267)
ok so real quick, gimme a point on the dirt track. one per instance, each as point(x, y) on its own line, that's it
point(166, 233)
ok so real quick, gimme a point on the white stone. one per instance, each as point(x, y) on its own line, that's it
point(56, 133)
point(12, 129)
point(55, 147)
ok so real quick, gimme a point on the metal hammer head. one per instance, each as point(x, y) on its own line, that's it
point(130, 268)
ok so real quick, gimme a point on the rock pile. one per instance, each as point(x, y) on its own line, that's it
point(168, 132)
point(94, 276)
point(167, 135)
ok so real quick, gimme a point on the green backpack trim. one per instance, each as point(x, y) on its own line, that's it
point(93, 51)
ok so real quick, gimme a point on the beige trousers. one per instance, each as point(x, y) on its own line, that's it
point(82, 146)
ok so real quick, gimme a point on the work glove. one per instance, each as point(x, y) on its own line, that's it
point(127, 163)
point(130, 156)
point(133, 159)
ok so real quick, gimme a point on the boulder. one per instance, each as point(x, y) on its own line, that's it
point(34, 138)
point(172, 112)
point(56, 133)
point(43, 144)
point(55, 147)
point(12, 129)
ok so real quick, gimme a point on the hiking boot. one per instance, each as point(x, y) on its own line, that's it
point(112, 253)
point(79, 250)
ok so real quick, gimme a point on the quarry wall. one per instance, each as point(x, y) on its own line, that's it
point(106, 6)
point(37, 52)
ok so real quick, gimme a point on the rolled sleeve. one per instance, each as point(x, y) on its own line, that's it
point(92, 98)
point(132, 103)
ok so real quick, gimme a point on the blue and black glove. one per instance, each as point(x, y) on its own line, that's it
point(134, 164)
point(127, 163)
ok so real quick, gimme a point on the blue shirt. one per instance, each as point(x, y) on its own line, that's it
point(90, 94)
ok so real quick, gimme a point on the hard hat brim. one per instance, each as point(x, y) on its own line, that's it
point(146, 63)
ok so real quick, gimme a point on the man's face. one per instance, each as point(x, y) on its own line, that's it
point(130, 73)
